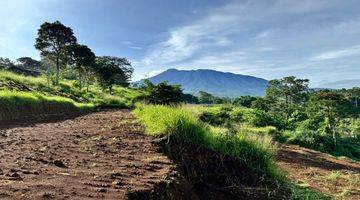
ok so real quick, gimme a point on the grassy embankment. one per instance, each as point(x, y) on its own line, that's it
point(254, 151)
point(257, 122)
point(19, 94)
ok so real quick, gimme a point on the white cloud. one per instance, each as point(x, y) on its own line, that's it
point(136, 48)
point(350, 51)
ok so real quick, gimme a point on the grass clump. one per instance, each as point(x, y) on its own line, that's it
point(304, 193)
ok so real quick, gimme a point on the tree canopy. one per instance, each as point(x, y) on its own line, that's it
point(113, 71)
point(163, 93)
point(52, 42)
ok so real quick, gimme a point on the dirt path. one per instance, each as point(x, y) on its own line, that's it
point(100, 155)
point(309, 168)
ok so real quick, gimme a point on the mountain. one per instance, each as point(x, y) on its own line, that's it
point(215, 82)
point(341, 84)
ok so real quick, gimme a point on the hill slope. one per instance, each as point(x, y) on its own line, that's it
point(215, 82)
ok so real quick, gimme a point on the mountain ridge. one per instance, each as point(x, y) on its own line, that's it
point(223, 84)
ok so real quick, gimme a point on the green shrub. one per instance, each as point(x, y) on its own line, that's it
point(250, 116)
point(215, 116)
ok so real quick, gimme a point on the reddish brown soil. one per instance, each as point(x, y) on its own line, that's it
point(100, 155)
point(339, 178)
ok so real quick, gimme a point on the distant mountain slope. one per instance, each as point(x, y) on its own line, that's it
point(342, 84)
point(214, 82)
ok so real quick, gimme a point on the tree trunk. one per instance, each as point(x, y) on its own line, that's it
point(110, 89)
point(334, 137)
point(57, 71)
point(80, 80)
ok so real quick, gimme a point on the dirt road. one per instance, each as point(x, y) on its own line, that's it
point(100, 155)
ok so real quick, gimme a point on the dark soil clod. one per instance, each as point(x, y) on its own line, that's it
point(59, 163)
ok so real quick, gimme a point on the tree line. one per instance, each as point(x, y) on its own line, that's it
point(60, 51)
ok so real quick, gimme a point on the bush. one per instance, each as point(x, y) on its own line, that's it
point(216, 116)
point(249, 116)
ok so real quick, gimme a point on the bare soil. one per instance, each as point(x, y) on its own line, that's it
point(103, 155)
point(338, 178)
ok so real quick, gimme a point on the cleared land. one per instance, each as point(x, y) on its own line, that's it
point(339, 178)
point(100, 155)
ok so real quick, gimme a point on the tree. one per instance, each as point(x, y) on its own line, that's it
point(164, 94)
point(261, 104)
point(286, 94)
point(113, 71)
point(353, 95)
point(29, 63)
point(206, 98)
point(245, 101)
point(5, 63)
point(330, 105)
point(189, 98)
point(52, 41)
point(83, 60)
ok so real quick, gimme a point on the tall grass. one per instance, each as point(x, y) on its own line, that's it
point(122, 97)
point(180, 123)
point(15, 105)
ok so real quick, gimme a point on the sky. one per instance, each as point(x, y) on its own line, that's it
point(318, 40)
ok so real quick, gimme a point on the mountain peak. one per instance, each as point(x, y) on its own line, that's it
point(224, 84)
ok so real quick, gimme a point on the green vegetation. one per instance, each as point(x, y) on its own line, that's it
point(261, 122)
point(14, 105)
point(252, 146)
point(254, 152)
point(162, 93)
point(207, 98)
point(68, 73)
point(324, 120)
point(122, 97)
point(303, 193)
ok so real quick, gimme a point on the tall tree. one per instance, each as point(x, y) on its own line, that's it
point(53, 40)
point(82, 59)
point(113, 71)
point(287, 93)
point(332, 106)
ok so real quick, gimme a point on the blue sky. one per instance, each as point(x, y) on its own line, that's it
point(319, 40)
